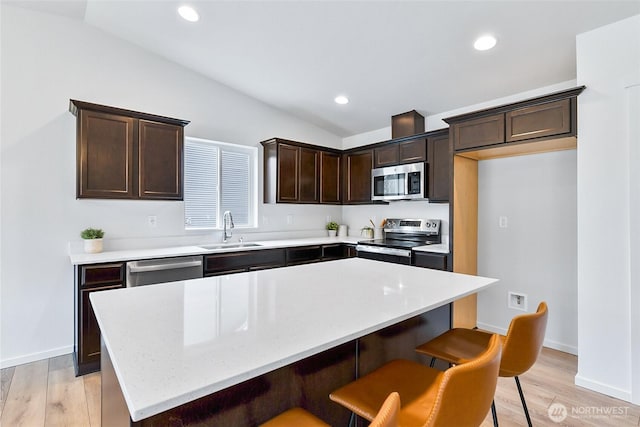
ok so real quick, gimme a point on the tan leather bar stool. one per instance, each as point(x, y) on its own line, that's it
point(460, 396)
point(521, 347)
point(297, 417)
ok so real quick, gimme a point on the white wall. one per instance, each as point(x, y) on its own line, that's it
point(45, 61)
point(608, 63)
point(535, 254)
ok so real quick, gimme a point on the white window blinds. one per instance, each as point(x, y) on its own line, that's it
point(218, 177)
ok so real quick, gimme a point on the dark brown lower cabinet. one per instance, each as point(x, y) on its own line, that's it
point(89, 279)
point(431, 260)
point(304, 254)
point(239, 262)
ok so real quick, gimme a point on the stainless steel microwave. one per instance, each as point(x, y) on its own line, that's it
point(402, 182)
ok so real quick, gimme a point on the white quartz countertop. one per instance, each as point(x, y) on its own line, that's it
point(138, 254)
point(176, 342)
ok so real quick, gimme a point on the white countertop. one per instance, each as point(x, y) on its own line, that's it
point(175, 342)
point(138, 254)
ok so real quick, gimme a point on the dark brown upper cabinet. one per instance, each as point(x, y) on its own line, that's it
point(296, 172)
point(330, 178)
point(439, 167)
point(478, 132)
point(386, 155)
point(548, 117)
point(357, 172)
point(552, 118)
point(308, 175)
point(124, 154)
point(396, 153)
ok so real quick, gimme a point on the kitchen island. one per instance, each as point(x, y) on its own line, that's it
point(249, 345)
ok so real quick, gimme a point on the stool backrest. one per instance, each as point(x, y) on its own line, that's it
point(523, 342)
point(388, 413)
point(466, 390)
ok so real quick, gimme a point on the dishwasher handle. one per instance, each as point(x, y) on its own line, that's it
point(135, 267)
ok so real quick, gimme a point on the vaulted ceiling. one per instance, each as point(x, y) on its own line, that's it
point(388, 57)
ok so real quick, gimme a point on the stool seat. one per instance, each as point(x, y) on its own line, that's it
point(457, 345)
point(416, 384)
point(297, 417)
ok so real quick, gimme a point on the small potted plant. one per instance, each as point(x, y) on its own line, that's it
point(92, 240)
point(332, 228)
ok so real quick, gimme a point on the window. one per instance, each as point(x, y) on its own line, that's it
point(219, 177)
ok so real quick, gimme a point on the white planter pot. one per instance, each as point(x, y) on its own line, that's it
point(332, 233)
point(93, 246)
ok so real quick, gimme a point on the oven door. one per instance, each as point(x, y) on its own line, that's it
point(383, 253)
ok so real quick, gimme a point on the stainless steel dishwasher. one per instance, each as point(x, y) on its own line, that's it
point(150, 271)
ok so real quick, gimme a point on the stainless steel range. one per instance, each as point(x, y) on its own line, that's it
point(400, 236)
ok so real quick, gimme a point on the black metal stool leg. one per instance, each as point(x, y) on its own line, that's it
point(524, 404)
point(494, 414)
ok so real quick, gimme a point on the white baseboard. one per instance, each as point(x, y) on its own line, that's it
point(33, 357)
point(547, 343)
point(603, 388)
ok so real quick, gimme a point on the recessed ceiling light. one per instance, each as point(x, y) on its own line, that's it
point(188, 13)
point(484, 42)
point(341, 99)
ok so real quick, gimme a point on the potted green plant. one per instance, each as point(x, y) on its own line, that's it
point(332, 228)
point(92, 240)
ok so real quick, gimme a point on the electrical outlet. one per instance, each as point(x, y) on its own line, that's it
point(328, 218)
point(517, 301)
point(152, 221)
point(503, 222)
point(289, 219)
point(265, 220)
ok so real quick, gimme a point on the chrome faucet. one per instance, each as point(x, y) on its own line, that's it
point(227, 224)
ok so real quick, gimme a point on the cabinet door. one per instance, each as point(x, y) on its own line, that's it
point(105, 155)
point(330, 178)
point(358, 177)
point(412, 151)
point(89, 333)
point(308, 173)
point(439, 168)
point(548, 119)
point(160, 160)
point(386, 155)
point(287, 180)
point(479, 132)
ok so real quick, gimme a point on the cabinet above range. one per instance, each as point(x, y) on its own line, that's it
point(124, 154)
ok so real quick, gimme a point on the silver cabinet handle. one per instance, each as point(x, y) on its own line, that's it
point(135, 268)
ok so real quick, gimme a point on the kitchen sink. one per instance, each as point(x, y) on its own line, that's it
point(230, 245)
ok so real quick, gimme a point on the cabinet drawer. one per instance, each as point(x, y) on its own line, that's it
point(237, 262)
point(303, 255)
point(553, 118)
point(92, 275)
point(479, 132)
point(431, 260)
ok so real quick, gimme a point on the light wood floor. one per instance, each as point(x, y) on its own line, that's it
point(46, 393)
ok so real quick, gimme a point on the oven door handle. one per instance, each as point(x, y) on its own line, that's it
point(384, 250)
